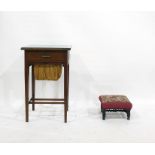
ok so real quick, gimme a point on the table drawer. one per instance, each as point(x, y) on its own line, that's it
point(46, 57)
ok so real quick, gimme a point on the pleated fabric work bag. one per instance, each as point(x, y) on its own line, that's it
point(47, 72)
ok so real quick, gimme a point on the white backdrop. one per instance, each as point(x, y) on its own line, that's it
point(112, 53)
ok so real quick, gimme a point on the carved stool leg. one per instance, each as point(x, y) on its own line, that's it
point(103, 114)
point(128, 114)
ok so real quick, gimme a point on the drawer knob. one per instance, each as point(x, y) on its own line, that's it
point(45, 56)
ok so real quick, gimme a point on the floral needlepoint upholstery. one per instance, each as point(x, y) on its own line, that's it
point(115, 103)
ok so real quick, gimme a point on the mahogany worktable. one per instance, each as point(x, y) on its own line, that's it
point(46, 55)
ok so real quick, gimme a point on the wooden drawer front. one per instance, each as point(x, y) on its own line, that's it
point(45, 57)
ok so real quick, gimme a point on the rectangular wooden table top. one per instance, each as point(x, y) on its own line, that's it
point(46, 54)
point(47, 47)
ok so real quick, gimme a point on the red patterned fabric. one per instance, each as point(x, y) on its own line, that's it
point(114, 102)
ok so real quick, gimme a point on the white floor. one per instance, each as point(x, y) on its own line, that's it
point(46, 125)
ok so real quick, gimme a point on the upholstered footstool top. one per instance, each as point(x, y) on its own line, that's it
point(115, 103)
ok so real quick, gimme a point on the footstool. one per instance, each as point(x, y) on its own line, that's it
point(115, 103)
